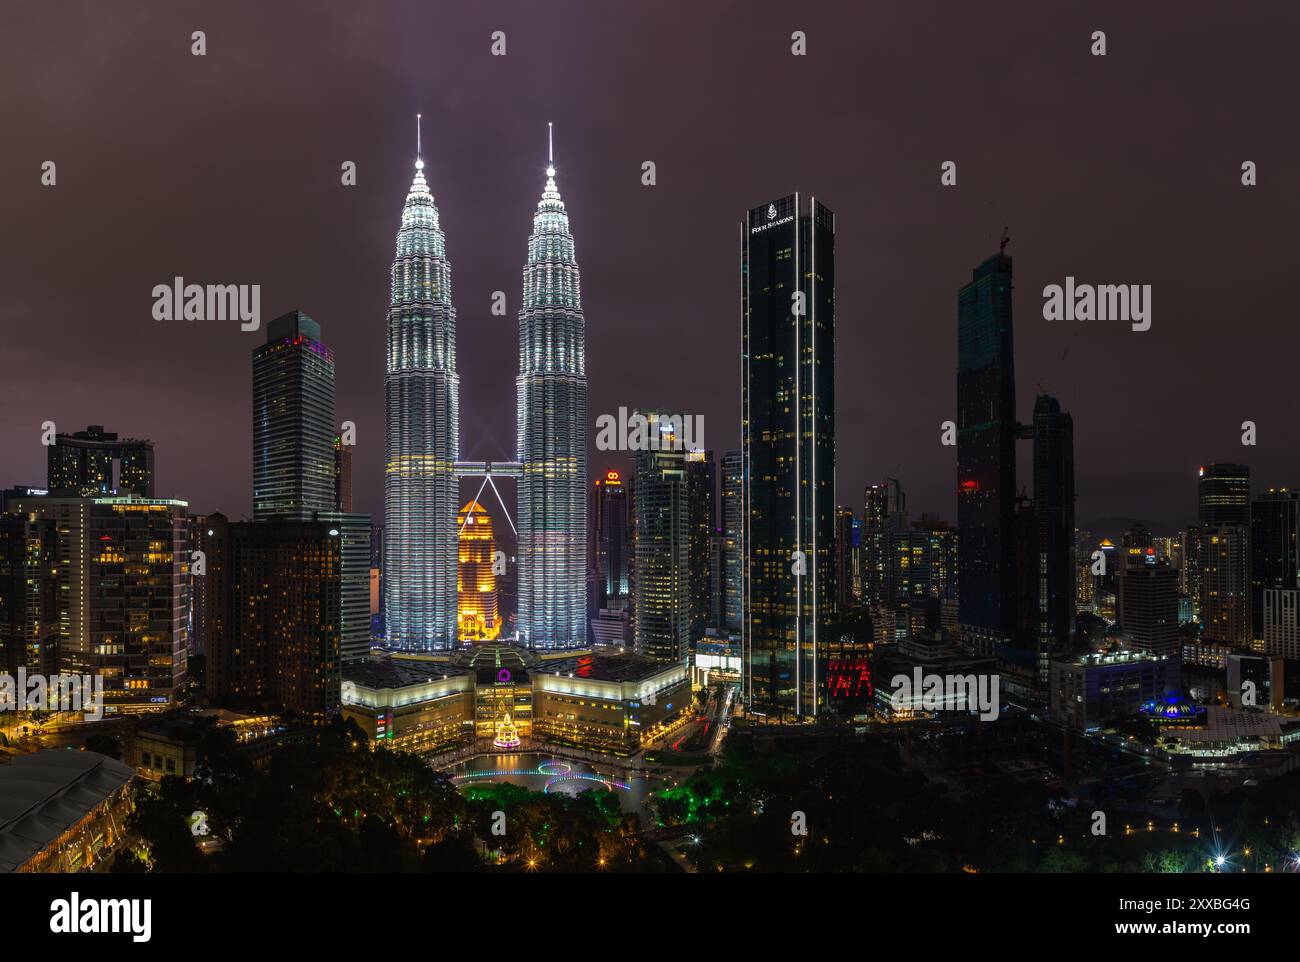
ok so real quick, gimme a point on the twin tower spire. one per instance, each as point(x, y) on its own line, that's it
point(422, 408)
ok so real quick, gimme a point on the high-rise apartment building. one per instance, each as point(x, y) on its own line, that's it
point(29, 595)
point(1149, 605)
point(732, 539)
point(1282, 622)
point(96, 462)
point(342, 475)
point(137, 599)
point(1274, 549)
point(884, 505)
point(282, 600)
point(70, 517)
point(701, 483)
point(1225, 587)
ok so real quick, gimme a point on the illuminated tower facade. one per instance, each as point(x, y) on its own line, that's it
point(788, 454)
point(293, 421)
point(81, 464)
point(479, 615)
point(552, 438)
point(609, 542)
point(661, 593)
point(732, 526)
point(423, 434)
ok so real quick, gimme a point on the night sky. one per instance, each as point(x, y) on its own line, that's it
point(225, 169)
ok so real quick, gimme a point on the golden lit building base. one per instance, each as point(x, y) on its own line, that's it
point(479, 617)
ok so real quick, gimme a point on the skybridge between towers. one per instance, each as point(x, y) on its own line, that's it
point(482, 469)
point(487, 470)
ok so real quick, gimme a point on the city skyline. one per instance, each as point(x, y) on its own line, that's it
point(897, 299)
point(885, 413)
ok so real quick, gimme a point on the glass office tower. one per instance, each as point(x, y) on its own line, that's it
point(661, 599)
point(788, 453)
point(986, 457)
point(293, 421)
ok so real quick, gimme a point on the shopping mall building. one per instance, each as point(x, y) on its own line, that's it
point(602, 702)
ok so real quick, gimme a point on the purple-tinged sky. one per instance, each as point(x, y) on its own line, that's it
point(226, 169)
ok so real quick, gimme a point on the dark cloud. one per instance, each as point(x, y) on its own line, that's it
point(226, 169)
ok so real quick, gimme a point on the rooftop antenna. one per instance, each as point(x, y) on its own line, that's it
point(550, 149)
point(419, 151)
point(1006, 239)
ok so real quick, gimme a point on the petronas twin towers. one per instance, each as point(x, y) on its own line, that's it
point(423, 467)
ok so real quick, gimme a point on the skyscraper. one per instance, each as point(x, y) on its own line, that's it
point(857, 541)
point(1223, 507)
point(1223, 494)
point(72, 550)
point(788, 450)
point(986, 456)
point(288, 596)
point(844, 599)
point(884, 511)
point(662, 601)
point(29, 595)
point(717, 578)
point(1282, 622)
point(293, 421)
point(422, 412)
point(700, 485)
point(1053, 432)
point(342, 475)
point(609, 542)
point(82, 464)
point(221, 662)
point(479, 612)
point(884, 505)
point(139, 600)
point(552, 435)
point(1193, 544)
point(918, 562)
point(1225, 586)
point(195, 525)
point(1149, 607)
point(732, 536)
point(1274, 549)
point(353, 531)
point(301, 469)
